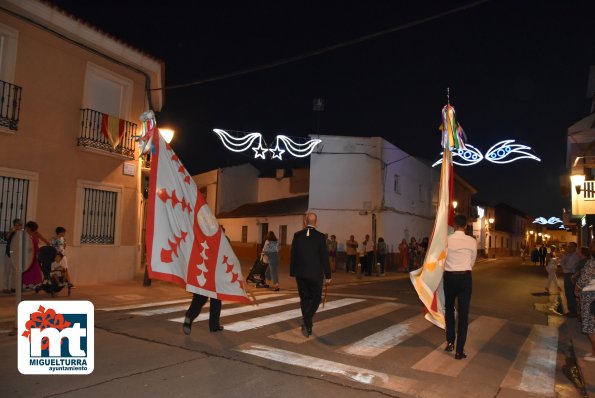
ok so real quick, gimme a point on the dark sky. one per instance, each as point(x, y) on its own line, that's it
point(516, 69)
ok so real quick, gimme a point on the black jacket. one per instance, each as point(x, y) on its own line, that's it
point(309, 257)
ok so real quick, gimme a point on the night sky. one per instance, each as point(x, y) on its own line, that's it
point(516, 69)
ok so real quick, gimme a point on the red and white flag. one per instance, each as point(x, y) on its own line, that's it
point(427, 280)
point(185, 243)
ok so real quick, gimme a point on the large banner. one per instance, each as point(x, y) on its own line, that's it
point(185, 243)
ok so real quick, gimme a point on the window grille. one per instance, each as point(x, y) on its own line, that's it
point(244, 234)
point(283, 234)
point(99, 217)
point(14, 194)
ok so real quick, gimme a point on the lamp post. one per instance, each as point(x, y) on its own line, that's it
point(489, 242)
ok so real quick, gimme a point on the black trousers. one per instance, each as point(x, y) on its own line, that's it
point(196, 305)
point(310, 291)
point(569, 290)
point(457, 287)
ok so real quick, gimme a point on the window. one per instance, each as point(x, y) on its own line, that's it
point(283, 234)
point(14, 194)
point(397, 184)
point(107, 92)
point(244, 234)
point(99, 217)
point(9, 38)
point(97, 214)
point(490, 242)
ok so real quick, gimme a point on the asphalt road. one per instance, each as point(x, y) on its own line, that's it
point(369, 340)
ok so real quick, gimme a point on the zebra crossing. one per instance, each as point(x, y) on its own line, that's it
point(532, 370)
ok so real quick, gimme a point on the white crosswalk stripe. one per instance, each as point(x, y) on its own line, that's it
point(388, 338)
point(535, 367)
point(334, 324)
point(169, 310)
point(254, 323)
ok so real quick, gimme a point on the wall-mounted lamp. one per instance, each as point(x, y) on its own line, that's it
point(491, 220)
point(167, 134)
point(455, 204)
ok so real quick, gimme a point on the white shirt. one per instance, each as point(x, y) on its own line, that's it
point(462, 251)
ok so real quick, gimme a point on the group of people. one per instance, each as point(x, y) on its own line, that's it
point(33, 274)
point(367, 255)
point(411, 254)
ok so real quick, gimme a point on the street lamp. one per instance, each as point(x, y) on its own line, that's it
point(167, 134)
point(489, 243)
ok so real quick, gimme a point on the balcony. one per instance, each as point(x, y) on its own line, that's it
point(107, 133)
point(10, 105)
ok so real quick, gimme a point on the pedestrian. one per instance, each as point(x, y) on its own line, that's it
point(404, 255)
point(309, 264)
point(460, 258)
point(362, 258)
point(413, 254)
point(542, 254)
point(553, 285)
point(381, 254)
point(270, 251)
point(534, 256)
point(569, 264)
point(8, 274)
point(59, 243)
point(351, 252)
point(33, 275)
point(586, 285)
point(369, 253)
point(198, 301)
point(332, 252)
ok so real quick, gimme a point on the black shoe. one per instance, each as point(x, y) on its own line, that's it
point(250, 278)
point(449, 347)
point(187, 326)
point(460, 355)
point(262, 285)
point(216, 329)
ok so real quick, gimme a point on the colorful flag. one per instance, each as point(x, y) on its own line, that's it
point(427, 280)
point(112, 129)
point(185, 243)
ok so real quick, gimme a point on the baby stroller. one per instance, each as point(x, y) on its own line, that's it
point(46, 256)
point(258, 269)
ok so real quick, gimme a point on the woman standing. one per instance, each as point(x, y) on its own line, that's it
point(33, 275)
point(553, 285)
point(404, 253)
point(586, 284)
point(331, 245)
point(270, 252)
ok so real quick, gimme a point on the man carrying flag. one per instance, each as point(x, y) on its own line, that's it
point(185, 243)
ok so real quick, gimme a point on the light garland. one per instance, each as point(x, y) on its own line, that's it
point(496, 154)
point(241, 144)
point(551, 221)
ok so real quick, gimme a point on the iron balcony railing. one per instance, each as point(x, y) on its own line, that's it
point(99, 131)
point(10, 105)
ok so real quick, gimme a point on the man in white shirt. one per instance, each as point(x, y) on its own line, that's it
point(460, 258)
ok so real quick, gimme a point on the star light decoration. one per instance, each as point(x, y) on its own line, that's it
point(502, 152)
point(282, 144)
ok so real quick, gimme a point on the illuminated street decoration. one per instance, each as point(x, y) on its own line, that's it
point(465, 156)
point(502, 152)
point(241, 144)
point(551, 220)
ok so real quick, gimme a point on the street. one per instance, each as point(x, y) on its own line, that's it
point(370, 339)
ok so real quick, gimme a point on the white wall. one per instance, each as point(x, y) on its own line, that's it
point(274, 188)
point(237, 185)
point(233, 226)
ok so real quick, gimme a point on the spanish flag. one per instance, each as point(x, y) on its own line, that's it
point(112, 128)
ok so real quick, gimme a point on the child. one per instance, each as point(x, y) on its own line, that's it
point(59, 243)
point(59, 270)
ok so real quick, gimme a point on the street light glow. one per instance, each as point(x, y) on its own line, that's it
point(167, 134)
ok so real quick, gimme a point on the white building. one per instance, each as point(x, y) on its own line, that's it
point(353, 184)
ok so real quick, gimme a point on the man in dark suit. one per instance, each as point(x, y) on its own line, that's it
point(309, 264)
point(542, 255)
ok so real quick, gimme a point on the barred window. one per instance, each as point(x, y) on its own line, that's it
point(283, 234)
point(99, 217)
point(244, 234)
point(14, 194)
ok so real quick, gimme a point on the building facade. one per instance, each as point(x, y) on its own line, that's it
point(71, 100)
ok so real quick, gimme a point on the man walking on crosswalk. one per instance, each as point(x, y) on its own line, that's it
point(462, 251)
point(309, 263)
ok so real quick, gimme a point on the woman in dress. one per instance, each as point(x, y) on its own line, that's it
point(33, 275)
point(404, 253)
point(270, 252)
point(331, 245)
